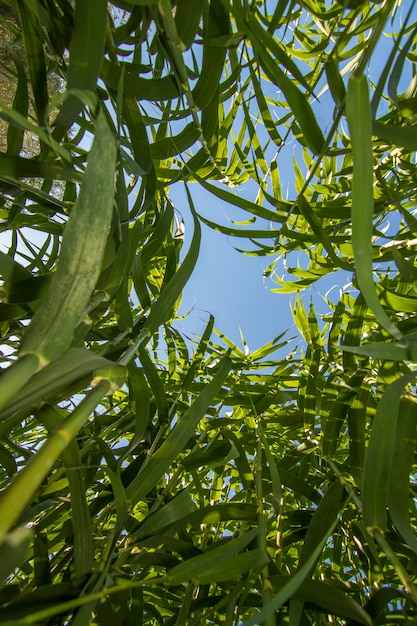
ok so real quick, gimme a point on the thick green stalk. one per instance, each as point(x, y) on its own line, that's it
point(19, 494)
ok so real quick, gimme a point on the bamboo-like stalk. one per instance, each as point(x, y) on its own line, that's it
point(21, 491)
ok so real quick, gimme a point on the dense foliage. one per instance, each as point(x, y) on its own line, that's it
point(152, 477)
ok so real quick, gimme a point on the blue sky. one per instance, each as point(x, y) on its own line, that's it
point(229, 284)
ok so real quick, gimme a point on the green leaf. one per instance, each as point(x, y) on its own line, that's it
point(33, 41)
point(324, 517)
point(86, 51)
point(212, 561)
point(358, 112)
point(177, 438)
point(21, 105)
point(291, 587)
point(161, 310)
point(339, 411)
point(405, 136)
point(297, 101)
point(328, 596)
point(187, 19)
point(216, 24)
point(380, 456)
point(76, 364)
point(82, 252)
point(399, 500)
point(81, 520)
point(357, 415)
point(171, 513)
point(136, 87)
point(18, 166)
point(13, 550)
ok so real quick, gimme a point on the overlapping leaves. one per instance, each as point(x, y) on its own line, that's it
point(173, 480)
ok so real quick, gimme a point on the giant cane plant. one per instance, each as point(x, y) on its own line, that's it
point(149, 476)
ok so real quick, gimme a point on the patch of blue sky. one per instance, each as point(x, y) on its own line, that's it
point(233, 286)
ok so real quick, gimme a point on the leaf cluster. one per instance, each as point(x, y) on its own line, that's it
point(153, 477)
